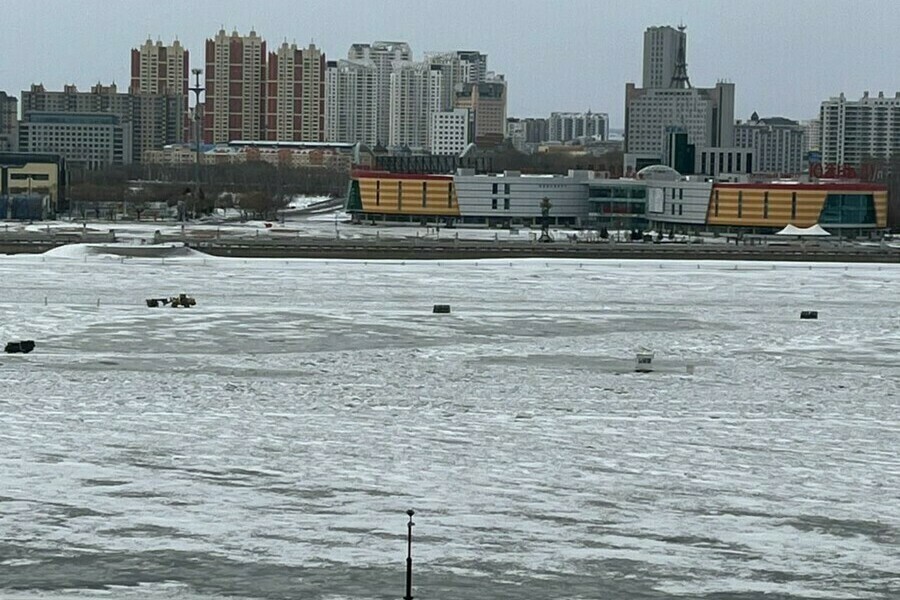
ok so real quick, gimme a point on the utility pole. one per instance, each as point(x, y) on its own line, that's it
point(197, 89)
point(409, 526)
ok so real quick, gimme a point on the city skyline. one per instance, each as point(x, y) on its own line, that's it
point(784, 60)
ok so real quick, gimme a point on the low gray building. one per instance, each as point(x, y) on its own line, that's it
point(515, 199)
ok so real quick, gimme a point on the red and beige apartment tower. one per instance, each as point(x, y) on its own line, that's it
point(295, 95)
point(235, 87)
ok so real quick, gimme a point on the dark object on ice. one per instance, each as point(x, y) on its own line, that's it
point(441, 309)
point(182, 301)
point(809, 314)
point(24, 346)
point(409, 526)
point(179, 301)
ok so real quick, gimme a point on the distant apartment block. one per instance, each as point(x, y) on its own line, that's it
point(778, 144)
point(526, 134)
point(235, 76)
point(150, 120)
point(383, 55)
point(350, 102)
point(449, 133)
point(569, 126)
point(9, 120)
point(813, 135)
point(856, 130)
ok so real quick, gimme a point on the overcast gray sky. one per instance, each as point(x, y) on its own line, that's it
point(784, 56)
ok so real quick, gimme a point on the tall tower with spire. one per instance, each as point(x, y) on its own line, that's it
point(662, 46)
point(679, 75)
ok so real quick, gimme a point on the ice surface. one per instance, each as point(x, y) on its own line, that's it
point(267, 442)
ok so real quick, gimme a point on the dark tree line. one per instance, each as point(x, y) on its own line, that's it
point(258, 189)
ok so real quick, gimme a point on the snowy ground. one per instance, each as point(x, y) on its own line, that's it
point(266, 443)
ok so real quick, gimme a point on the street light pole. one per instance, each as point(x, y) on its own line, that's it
point(197, 89)
point(409, 526)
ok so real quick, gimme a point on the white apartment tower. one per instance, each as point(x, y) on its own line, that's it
point(235, 77)
point(855, 130)
point(350, 102)
point(383, 55)
point(415, 93)
point(661, 49)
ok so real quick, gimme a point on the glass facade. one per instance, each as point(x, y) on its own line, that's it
point(848, 209)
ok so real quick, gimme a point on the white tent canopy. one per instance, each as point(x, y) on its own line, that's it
point(813, 231)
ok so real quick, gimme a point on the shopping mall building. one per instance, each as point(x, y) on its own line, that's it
point(658, 198)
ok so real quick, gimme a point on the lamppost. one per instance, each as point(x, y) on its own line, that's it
point(197, 89)
point(409, 526)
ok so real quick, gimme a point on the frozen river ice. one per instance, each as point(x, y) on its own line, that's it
point(266, 443)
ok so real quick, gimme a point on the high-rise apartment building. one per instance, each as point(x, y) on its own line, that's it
point(474, 65)
point(350, 102)
point(101, 99)
point(777, 143)
point(295, 95)
point(856, 130)
point(312, 109)
point(568, 126)
point(235, 87)
point(486, 103)
point(159, 87)
point(9, 119)
point(416, 93)
point(458, 67)
point(661, 55)
point(159, 69)
point(383, 55)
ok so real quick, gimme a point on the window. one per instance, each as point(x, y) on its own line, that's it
point(673, 193)
point(740, 204)
point(716, 205)
point(506, 204)
point(793, 205)
point(399, 195)
point(424, 192)
point(494, 203)
point(378, 192)
point(673, 209)
point(494, 188)
point(680, 209)
point(506, 188)
point(681, 193)
point(766, 205)
point(450, 195)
